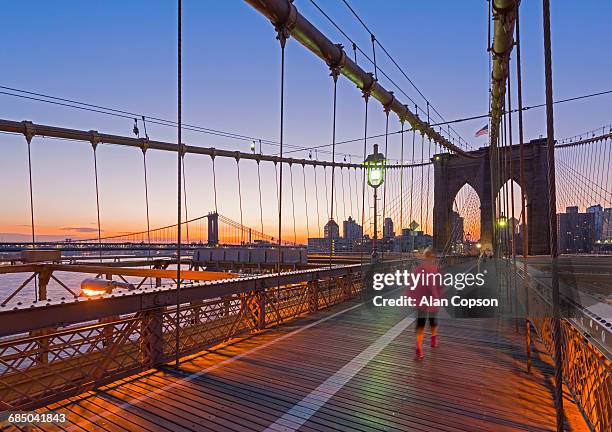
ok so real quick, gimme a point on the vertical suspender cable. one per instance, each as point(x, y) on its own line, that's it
point(260, 203)
point(306, 202)
point(214, 182)
point(334, 73)
point(326, 189)
point(512, 224)
point(95, 160)
point(382, 255)
point(29, 142)
point(350, 184)
point(373, 38)
point(146, 185)
point(356, 196)
point(422, 177)
point(412, 179)
point(178, 195)
point(293, 203)
point(240, 202)
point(343, 192)
point(314, 172)
point(185, 195)
point(428, 172)
point(282, 35)
point(366, 97)
point(552, 216)
point(401, 189)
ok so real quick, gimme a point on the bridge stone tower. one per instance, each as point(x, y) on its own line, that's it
point(213, 228)
point(452, 172)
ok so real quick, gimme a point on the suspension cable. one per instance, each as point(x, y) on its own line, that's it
point(343, 192)
point(334, 74)
point(525, 236)
point(401, 189)
point(314, 170)
point(382, 254)
point(260, 203)
point(366, 97)
point(95, 161)
point(422, 177)
point(412, 179)
point(306, 202)
point(214, 182)
point(240, 201)
point(178, 195)
point(146, 185)
point(185, 196)
point(292, 203)
point(282, 36)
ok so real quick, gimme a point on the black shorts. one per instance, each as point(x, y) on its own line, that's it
point(422, 318)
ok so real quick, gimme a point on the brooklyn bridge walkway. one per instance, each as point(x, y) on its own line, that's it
point(349, 367)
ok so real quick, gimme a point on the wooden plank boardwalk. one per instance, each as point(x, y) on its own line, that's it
point(349, 368)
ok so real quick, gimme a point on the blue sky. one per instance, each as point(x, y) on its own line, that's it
point(123, 55)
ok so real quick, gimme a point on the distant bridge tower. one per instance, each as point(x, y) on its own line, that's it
point(213, 229)
point(452, 172)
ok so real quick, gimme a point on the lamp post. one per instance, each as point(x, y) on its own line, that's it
point(92, 287)
point(375, 164)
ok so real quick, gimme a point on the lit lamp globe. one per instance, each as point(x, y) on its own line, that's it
point(502, 222)
point(478, 246)
point(375, 164)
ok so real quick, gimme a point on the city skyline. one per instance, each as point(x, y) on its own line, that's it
point(69, 73)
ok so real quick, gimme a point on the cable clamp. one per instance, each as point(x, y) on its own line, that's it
point(145, 144)
point(388, 105)
point(369, 87)
point(337, 65)
point(29, 130)
point(284, 28)
point(95, 139)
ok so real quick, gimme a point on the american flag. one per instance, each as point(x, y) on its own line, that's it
point(482, 131)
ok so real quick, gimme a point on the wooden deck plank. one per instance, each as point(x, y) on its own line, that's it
point(475, 381)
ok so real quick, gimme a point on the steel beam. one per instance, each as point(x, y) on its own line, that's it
point(585, 141)
point(22, 319)
point(30, 130)
point(504, 18)
point(283, 14)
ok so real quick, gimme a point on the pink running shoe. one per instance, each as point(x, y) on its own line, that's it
point(434, 341)
point(418, 356)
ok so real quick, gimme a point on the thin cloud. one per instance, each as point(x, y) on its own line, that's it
point(80, 229)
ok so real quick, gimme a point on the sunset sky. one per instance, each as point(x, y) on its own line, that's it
point(123, 55)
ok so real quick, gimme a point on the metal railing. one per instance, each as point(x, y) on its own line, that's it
point(587, 368)
point(50, 364)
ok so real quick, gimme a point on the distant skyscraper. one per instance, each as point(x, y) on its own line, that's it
point(606, 229)
point(388, 228)
point(351, 230)
point(576, 231)
point(331, 230)
point(598, 211)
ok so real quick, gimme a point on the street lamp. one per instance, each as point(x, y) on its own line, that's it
point(94, 287)
point(375, 164)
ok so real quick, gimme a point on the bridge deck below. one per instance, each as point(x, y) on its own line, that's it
point(348, 368)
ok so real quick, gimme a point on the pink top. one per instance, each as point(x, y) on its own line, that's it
point(428, 287)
